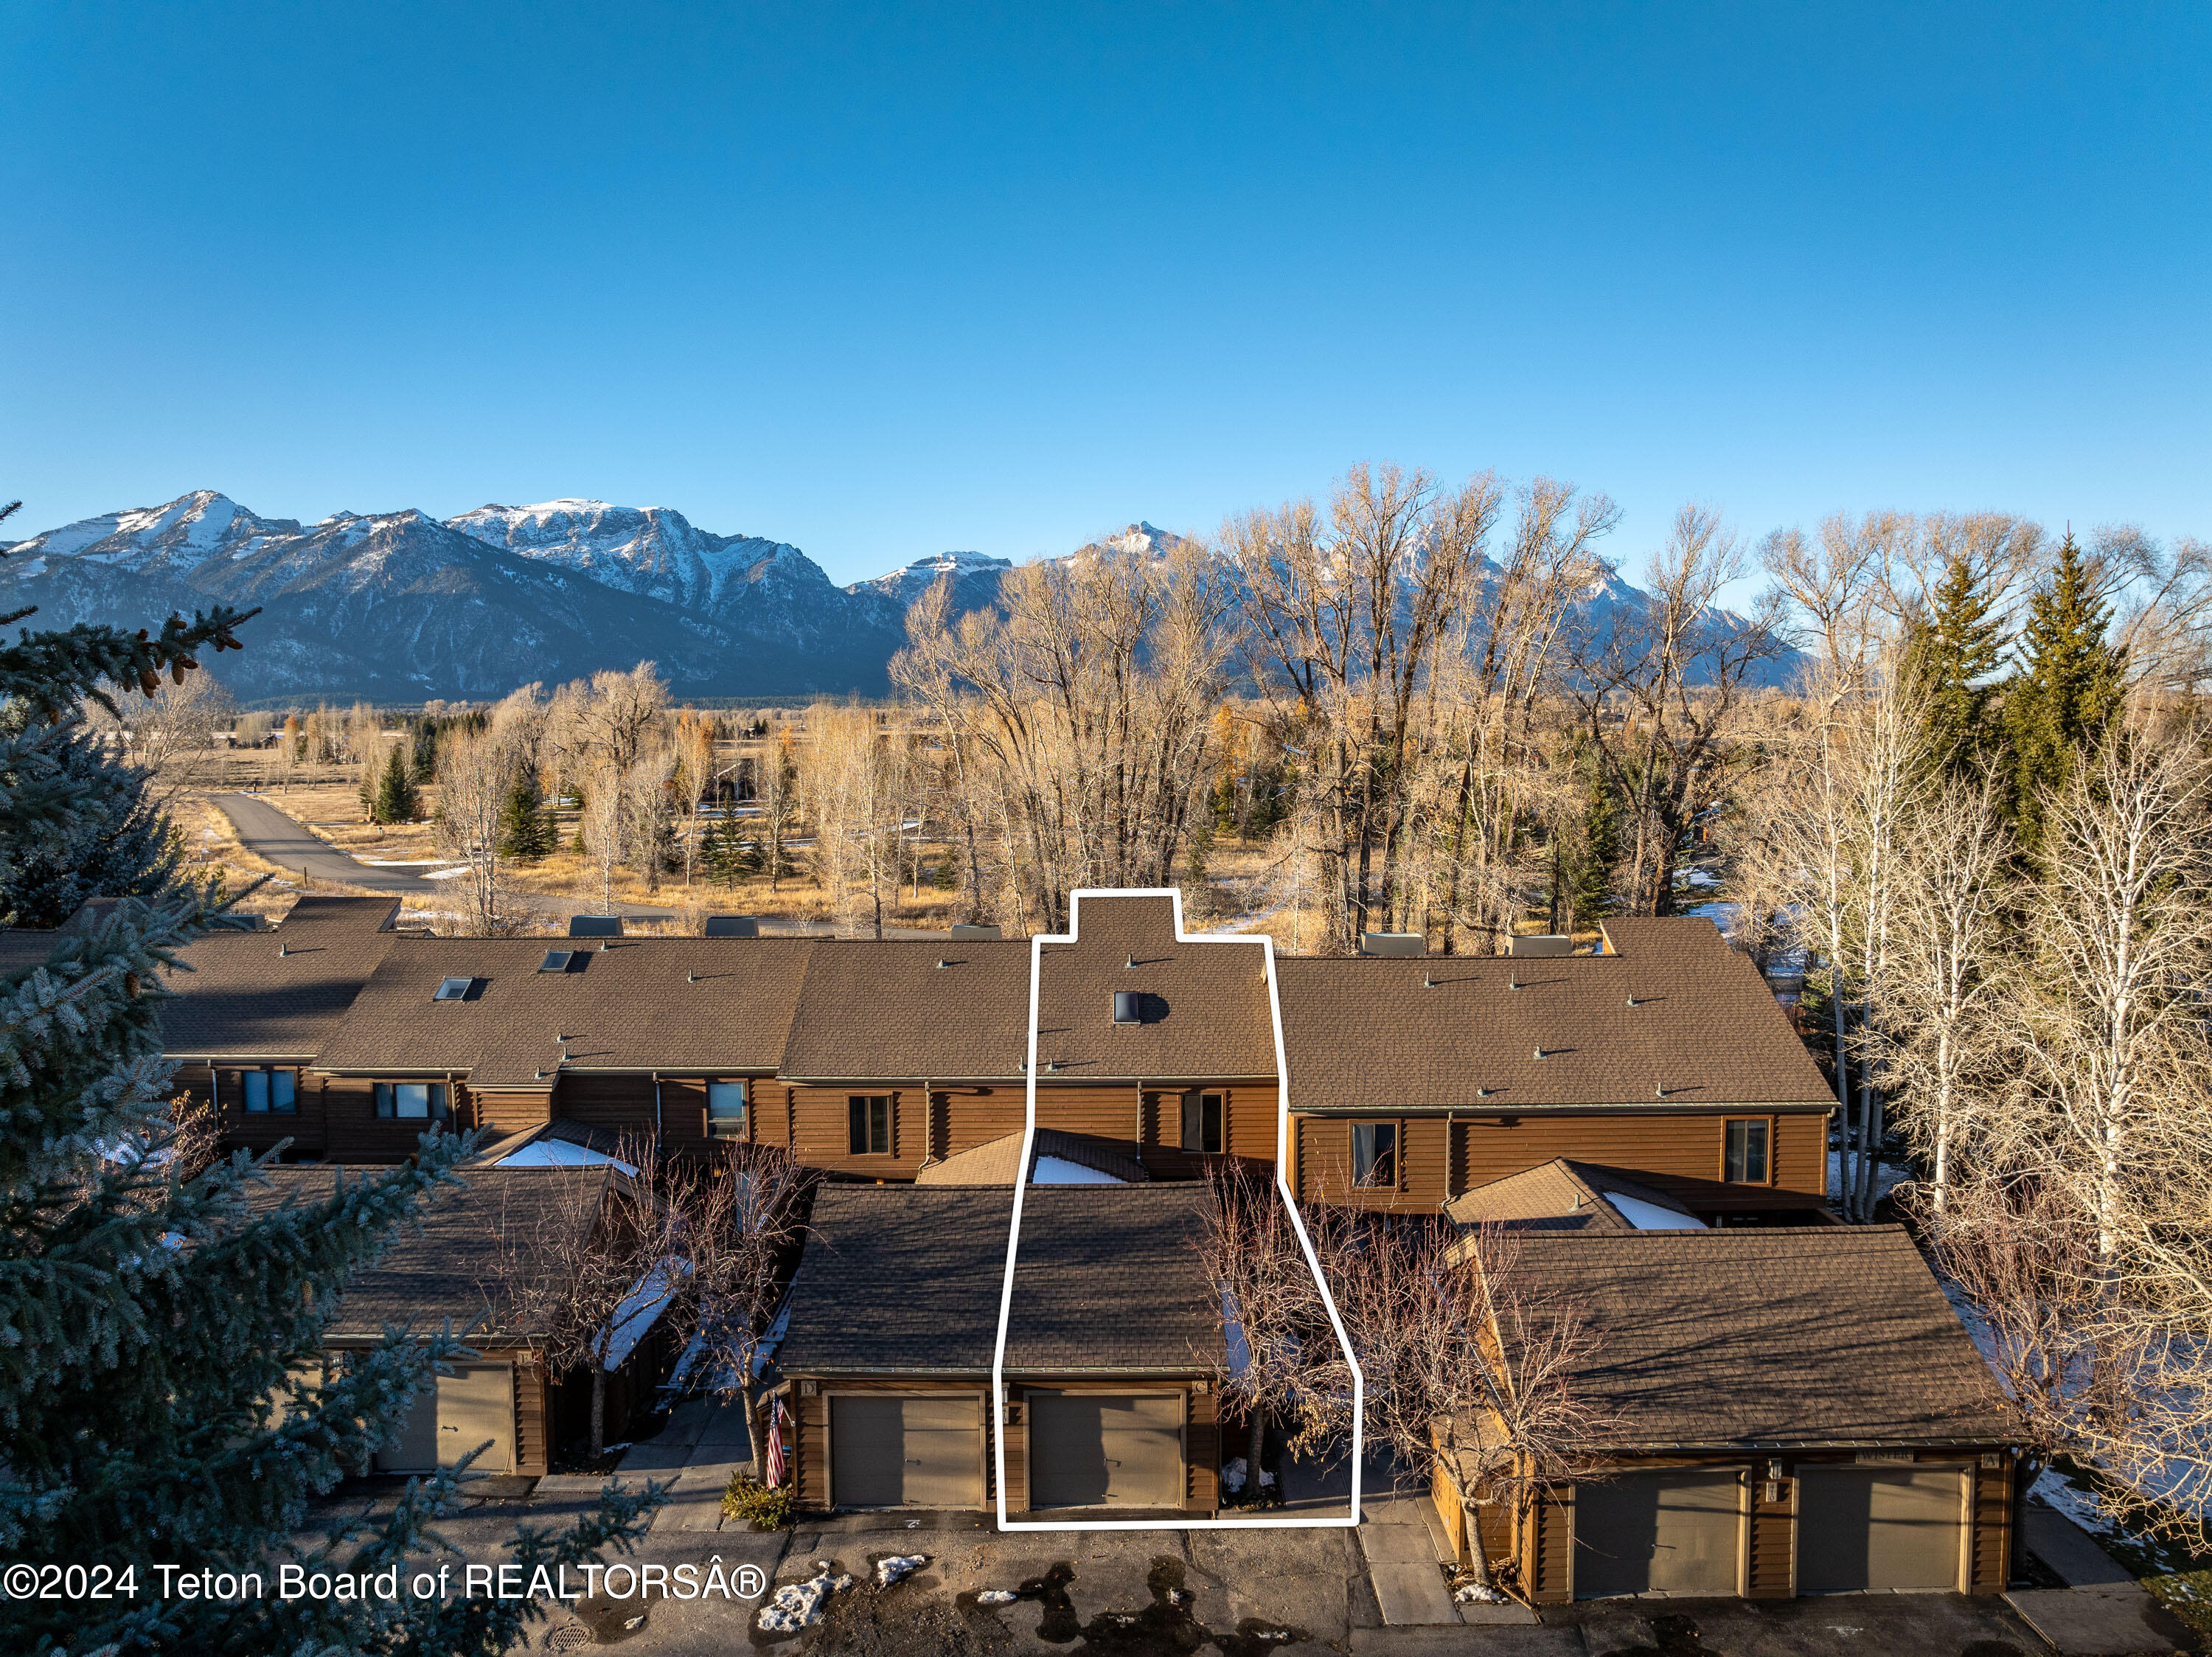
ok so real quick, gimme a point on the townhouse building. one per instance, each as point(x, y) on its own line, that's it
point(1646, 1114)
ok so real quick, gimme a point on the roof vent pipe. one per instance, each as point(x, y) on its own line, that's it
point(282, 952)
point(1130, 965)
point(1540, 1052)
point(1658, 1092)
point(1632, 1001)
point(691, 975)
point(942, 965)
point(1428, 980)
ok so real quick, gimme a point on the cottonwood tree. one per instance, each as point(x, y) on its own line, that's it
point(603, 821)
point(1661, 685)
point(1283, 1363)
point(1084, 712)
point(1471, 1365)
point(694, 782)
point(740, 1226)
point(1349, 617)
point(855, 789)
point(1954, 901)
point(476, 777)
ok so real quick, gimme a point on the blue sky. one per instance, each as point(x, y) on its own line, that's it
point(882, 281)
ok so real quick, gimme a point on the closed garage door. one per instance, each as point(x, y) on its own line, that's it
point(1671, 1532)
point(1877, 1528)
point(1106, 1450)
point(473, 1406)
point(906, 1450)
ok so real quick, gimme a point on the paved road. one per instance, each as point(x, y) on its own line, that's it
point(268, 832)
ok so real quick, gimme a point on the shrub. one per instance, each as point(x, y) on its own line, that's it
point(768, 1507)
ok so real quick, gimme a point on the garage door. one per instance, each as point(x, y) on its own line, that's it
point(899, 1450)
point(1877, 1528)
point(466, 1409)
point(1106, 1450)
point(1671, 1532)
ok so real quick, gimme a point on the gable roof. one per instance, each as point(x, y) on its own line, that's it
point(1827, 1335)
point(906, 1279)
point(278, 994)
point(639, 1004)
point(884, 1010)
point(995, 1162)
point(1206, 1008)
point(1704, 1031)
point(455, 1266)
point(1561, 1195)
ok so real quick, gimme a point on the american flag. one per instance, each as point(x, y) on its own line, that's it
point(775, 1445)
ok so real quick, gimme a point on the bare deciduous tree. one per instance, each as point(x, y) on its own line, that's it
point(475, 770)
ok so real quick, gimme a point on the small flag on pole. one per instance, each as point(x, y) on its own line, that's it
point(775, 1445)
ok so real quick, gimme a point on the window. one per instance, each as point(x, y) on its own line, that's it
point(726, 1109)
point(411, 1101)
point(1201, 1123)
point(869, 1121)
point(452, 989)
point(1743, 1160)
point(274, 1091)
point(1375, 1154)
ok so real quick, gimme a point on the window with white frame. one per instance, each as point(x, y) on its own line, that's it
point(726, 1109)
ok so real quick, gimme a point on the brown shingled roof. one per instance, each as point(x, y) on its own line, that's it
point(243, 999)
point(1704, 1029)
point(1770, 1337)
point(454, 1265)
point(692, 1004)
point(1205, 1007)
point(884, 1009)
point(906, 1279)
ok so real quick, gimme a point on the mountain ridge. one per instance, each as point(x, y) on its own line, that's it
point(401, 606)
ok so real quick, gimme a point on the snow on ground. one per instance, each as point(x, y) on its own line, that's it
point(1059, 1170)
point(1887, 1176)
point(1650, 1216)
point(997, 1597)
point(560, 1154)
point(796, 1604)
point(1233, 1331)
point(2083, 1507)
point(898, 1567)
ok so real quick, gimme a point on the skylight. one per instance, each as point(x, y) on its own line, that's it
point(556, 960)
point(452, 989)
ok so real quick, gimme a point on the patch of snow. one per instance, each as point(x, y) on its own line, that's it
point(1474, 1593)
point(1059, 1170)
point(996, 1597)
point(560, 1154)
point(796, 1605)
point(2052, 1489)
point(1650, 1216)
point(449, 874)
point(898, 1567)
point(1232, 1475)
point(1887, 1176)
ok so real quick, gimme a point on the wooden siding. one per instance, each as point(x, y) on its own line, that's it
point(506, 1113)
point(1323, 1168)
point(621, 1103)
point(963, 1117)
point(533, 1451)
point(1104, 1113)
point(1772, 1569)
point(1992, 1540)
point(820, 1135)
point(1547, 1560)
point(1659, 1147)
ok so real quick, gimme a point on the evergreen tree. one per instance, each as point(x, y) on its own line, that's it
point(1590, 852)
point(525, 833)
point(397, 798)
point(2067, 689)
point(149, 1412)
point(1950, 654)
point(112, 842)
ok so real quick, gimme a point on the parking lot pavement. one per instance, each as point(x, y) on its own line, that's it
point(1833, 1625)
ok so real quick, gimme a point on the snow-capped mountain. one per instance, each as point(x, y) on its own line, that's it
point(401, 606)
point(975, 578)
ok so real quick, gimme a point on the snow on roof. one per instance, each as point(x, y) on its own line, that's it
point(1650, 1216)
point(560, 1154)
point(1059, 1170)
point(640, 1309)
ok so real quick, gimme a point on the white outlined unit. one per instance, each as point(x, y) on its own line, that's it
point(1267, 945)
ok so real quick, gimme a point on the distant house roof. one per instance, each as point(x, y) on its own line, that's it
point(1757, 1337)
point(995, 1162)
point(277, 994)
point(1203, 1006)
point(906, 1280)
point(1565, 1196)
point(1671, 1018)
point(885, 1008)
point(639, 1004)
point(461, 1264)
